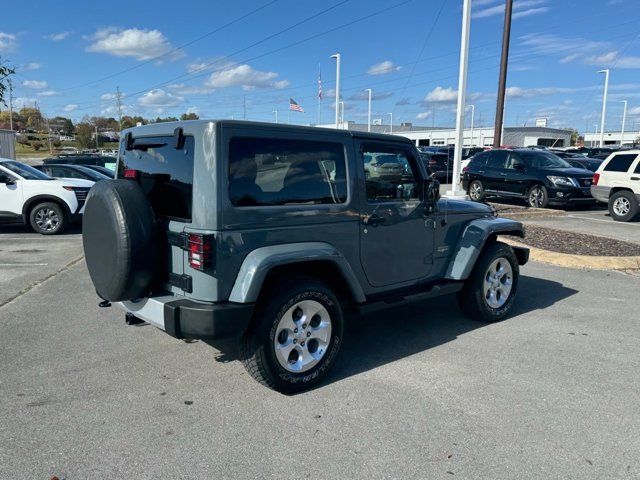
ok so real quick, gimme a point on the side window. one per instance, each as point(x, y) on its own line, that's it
point(513, 160)
point(637, 170)
point(480, 159)
point(389, 174)
point(273, 171)
point(497, 159)
point(620, 163)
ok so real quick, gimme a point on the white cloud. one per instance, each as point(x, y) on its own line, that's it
point(21, 102)
point(611, 59)
point(158, 98)
point(521, 8)
point(442, 95)
point(383, 68)
point(31, 66)
point(57, 37)
point(423, 115)
point(7, 42)
point(245, 76)
point(70, 108)
point(192, 110)
point(108, 96)
point(35, 84)
point(141, 44)
point(635, 111)
point(47, 93)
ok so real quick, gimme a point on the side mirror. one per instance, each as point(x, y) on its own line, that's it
point(430, 191)
point(7, 180)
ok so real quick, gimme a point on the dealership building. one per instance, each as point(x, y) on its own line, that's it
point(612, 138)
point(479, 136)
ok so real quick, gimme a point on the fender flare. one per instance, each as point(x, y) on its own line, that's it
point(472, 241)
point(260, 261)
point(31, 201)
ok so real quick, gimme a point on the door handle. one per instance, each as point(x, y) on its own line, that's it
point(635, 178)
point(373, 220)
point(503, 174)
point(480, 171)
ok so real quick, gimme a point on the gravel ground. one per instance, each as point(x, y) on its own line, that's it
point(563, 241)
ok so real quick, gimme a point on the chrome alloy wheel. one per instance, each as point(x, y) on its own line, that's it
point(536, 197)
point(498, 282)
point(621, 206)
point(475, 191)
point(47, 220)
point(302, 336)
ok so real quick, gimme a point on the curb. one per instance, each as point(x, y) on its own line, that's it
point(591, 262)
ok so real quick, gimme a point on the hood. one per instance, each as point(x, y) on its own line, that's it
point(566, 172)
point(463, 206)
point(73, 182)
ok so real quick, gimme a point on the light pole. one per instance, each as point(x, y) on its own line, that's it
point(604, 104)
point(473, 112)
point(369, 111)
point(337, 57)
point(341, 118)
point(595, 136)
point(96, 136)
point(624, 119)
point(456, 191)
point(390, 122)
point(276, 112)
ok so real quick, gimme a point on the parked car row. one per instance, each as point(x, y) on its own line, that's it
point(543, 178)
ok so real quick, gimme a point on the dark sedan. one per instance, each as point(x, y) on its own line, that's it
point(541, 178)
point(71, 171)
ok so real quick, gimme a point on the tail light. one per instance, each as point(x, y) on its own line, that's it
point(596, 177)
point(200, 250)
point(129, 173)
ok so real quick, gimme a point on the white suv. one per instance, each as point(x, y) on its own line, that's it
point(29, 196)
point(617, 182)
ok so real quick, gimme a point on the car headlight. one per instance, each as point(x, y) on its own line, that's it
point(564, 181)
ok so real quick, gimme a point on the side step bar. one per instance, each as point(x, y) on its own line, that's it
point(435, 291)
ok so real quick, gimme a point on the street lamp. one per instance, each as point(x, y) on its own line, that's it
point(604, 103)
point(276, 112)
point(369, 111)
point(341, 112)
point(473, 112)
point(337, 57)
point(390, 122)
point(624, 119)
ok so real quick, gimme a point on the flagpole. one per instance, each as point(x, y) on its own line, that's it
point(319, 94)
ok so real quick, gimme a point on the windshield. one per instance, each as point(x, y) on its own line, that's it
point(544, 160)
point(25, 171)
point(92, 174)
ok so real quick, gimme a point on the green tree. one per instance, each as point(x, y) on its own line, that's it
point(84, 135)
point(5, 73)
point(36, 145)
point(574, 136)
point(189, 116)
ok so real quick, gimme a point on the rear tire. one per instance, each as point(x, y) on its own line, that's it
point(48, 218)
point(295, 337)
point(476, 191)
point(623, 206)
point(490, 290)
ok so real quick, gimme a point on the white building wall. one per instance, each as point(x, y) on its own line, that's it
point(611, 138)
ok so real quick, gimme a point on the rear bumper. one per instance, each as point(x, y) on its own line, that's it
point(600, 193)
point(183, 318)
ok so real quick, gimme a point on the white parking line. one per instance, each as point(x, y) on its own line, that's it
point(604, 221)
point(23, 264)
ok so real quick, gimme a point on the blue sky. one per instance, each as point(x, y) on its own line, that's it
point(71, 58)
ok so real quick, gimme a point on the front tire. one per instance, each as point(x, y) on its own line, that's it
point(295, 338)
point(48, 218)
point(490, 290)
point(623, 206)
point(538, 197)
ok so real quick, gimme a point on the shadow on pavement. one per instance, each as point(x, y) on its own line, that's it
point(398, 332)
point(18, 229)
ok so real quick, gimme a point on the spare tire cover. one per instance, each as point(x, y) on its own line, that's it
point(119, 238)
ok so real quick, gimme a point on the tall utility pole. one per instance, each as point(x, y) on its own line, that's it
point(456, 191)
point(48, 134)
point(341, 118)
point(473, 112)
point(119, 102)
point(10, 105)
point(369, 111)
point(276, 112)
point(502, 82)
point(604, 104)
point(390, 123)
point(96, 126)
point(337, 57)
point(244, 107)
point(624, 119)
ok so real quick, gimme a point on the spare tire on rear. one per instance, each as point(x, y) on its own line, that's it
point(119, 238)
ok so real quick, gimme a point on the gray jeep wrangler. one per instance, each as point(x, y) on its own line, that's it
point(270, 233)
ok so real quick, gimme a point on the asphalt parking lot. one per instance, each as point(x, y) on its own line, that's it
point(418, 392)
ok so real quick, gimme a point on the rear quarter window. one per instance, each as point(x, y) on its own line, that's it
point(620, 163)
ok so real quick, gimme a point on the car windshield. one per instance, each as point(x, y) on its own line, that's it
point(25, 171)
point(544, 160)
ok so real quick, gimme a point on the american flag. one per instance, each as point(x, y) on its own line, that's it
point(293, 105)
point(319, 84)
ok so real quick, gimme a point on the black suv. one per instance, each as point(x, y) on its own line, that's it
point(540, 177)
